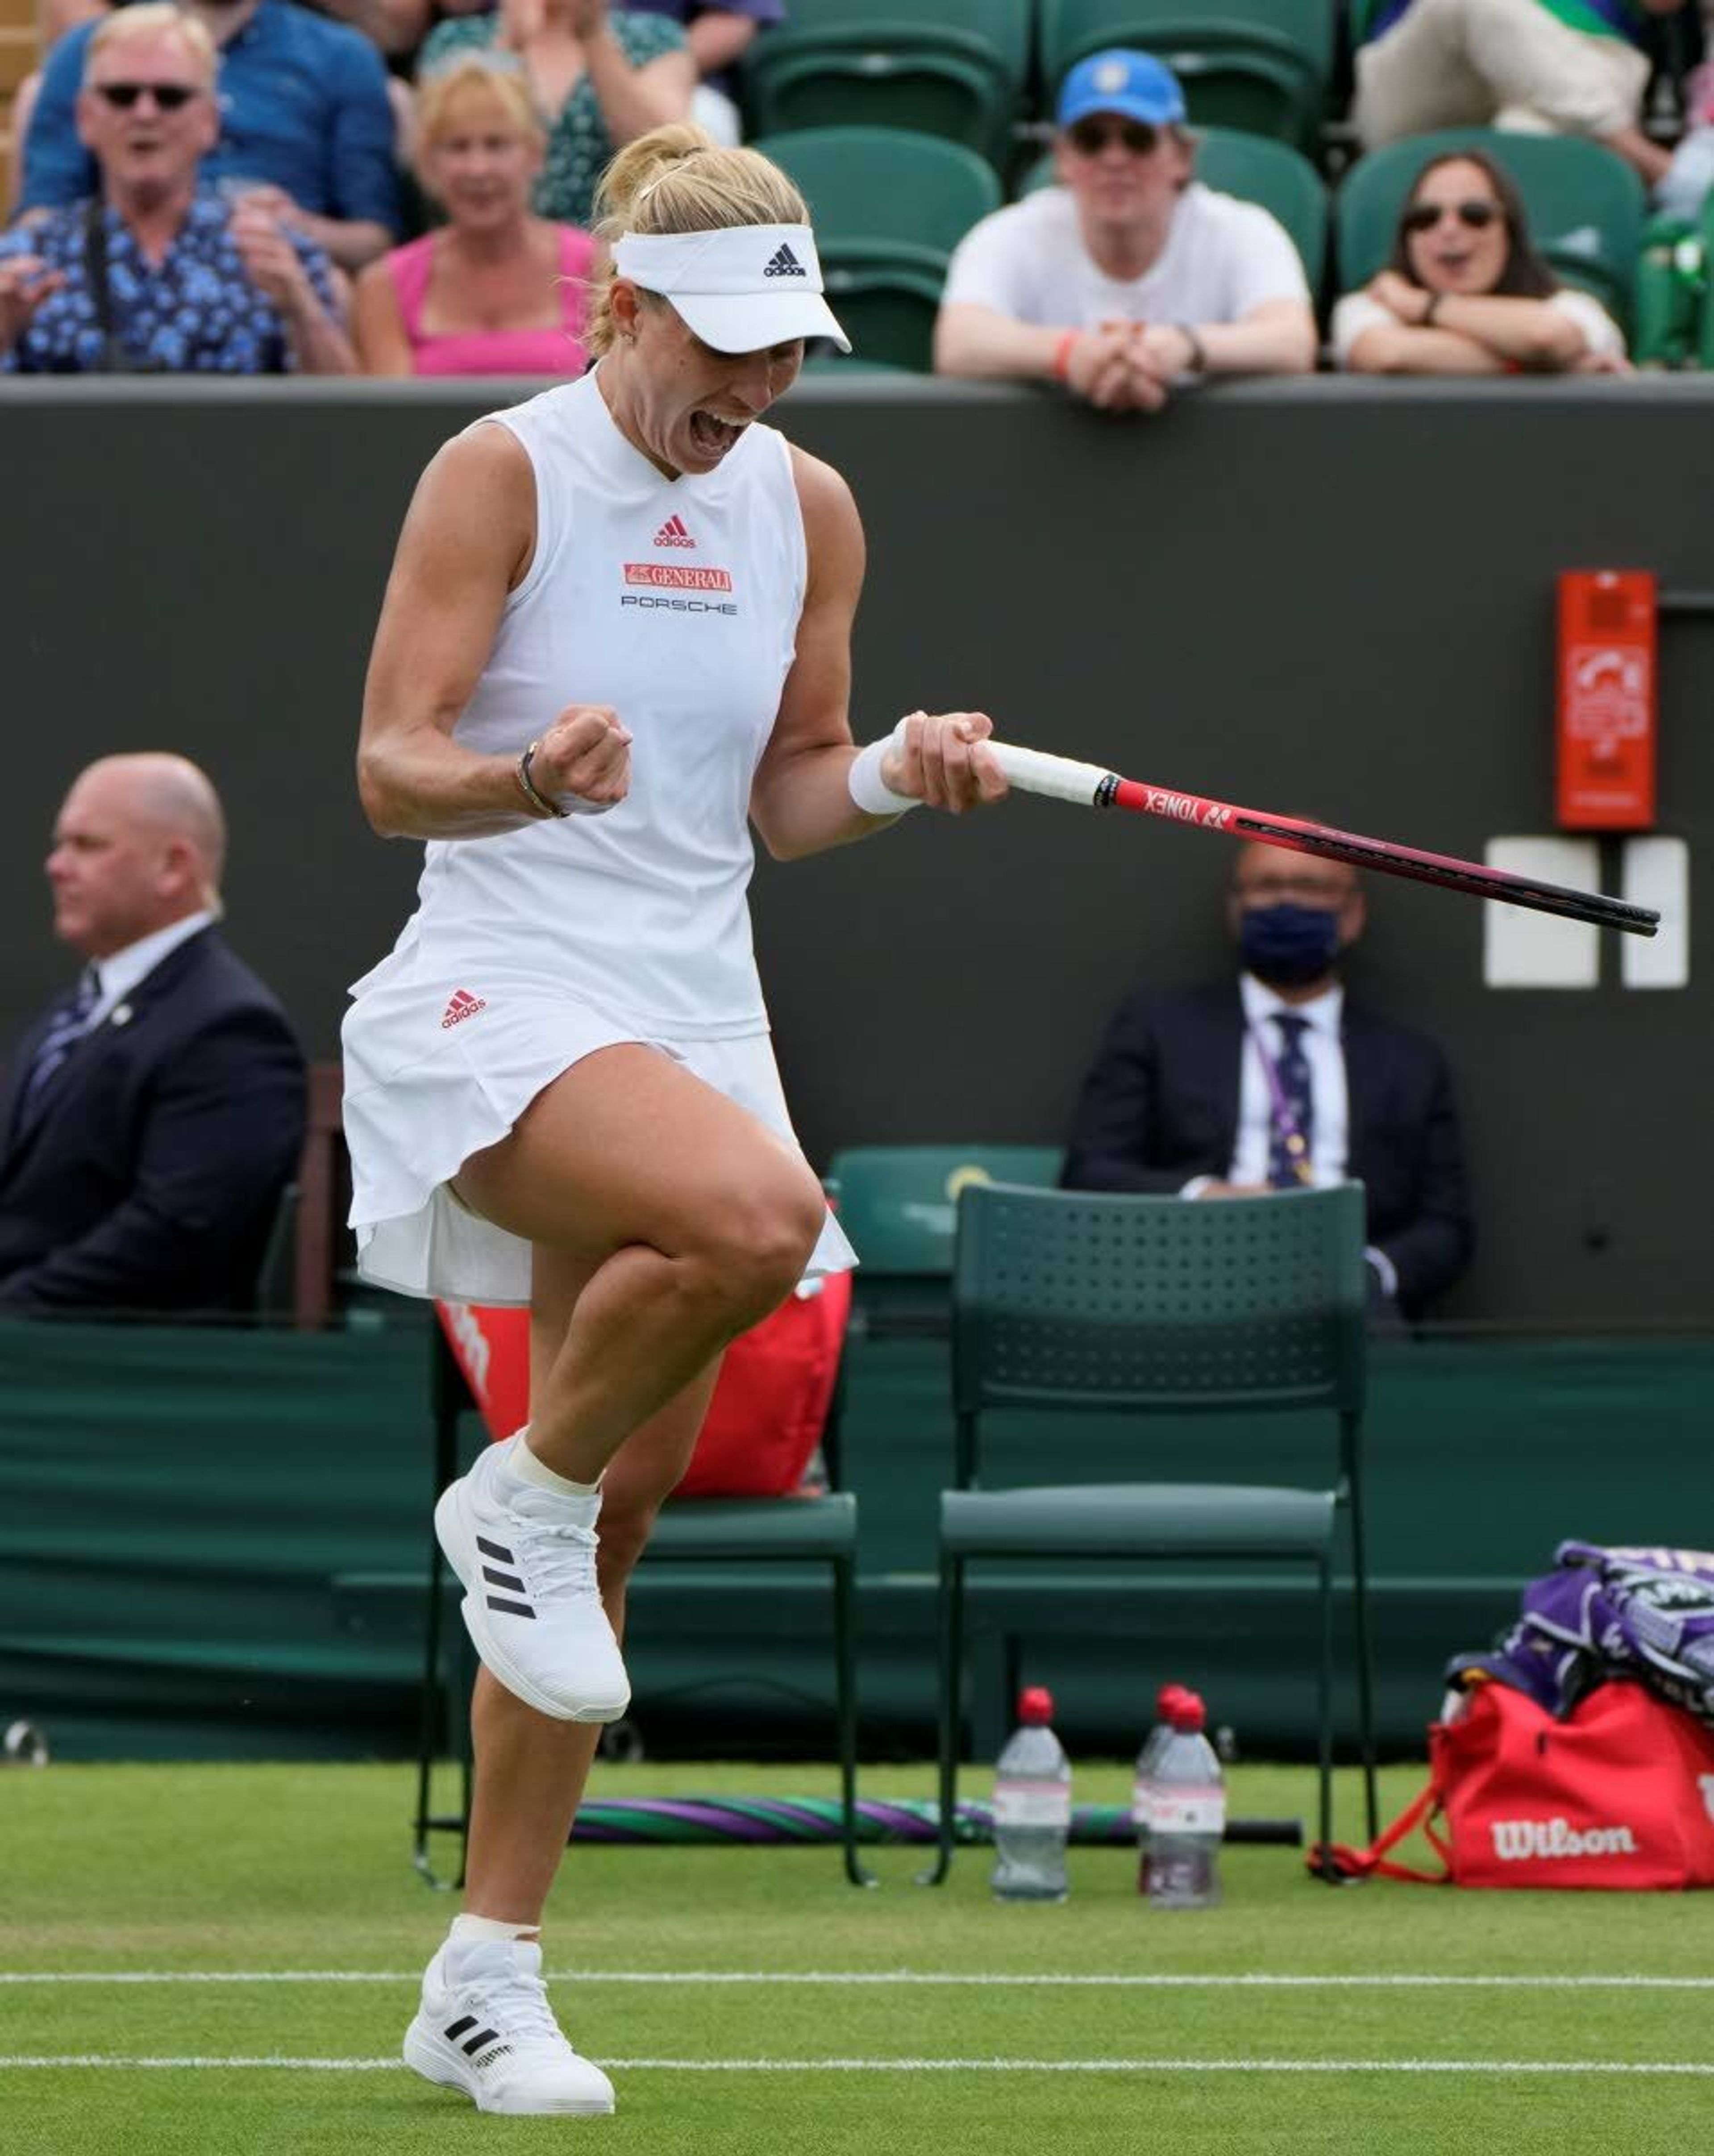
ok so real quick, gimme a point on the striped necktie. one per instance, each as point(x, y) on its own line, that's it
point(68, 1025)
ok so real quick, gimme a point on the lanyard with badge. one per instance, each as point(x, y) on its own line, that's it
point(1287, 1128)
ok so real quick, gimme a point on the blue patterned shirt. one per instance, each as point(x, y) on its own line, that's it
point(194, 312)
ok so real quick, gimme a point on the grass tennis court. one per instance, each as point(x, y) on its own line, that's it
point(255, 1936)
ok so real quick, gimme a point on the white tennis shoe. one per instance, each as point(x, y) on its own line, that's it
point(526, 1558)
point(484, 2026)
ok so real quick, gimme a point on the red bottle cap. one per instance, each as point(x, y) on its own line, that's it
point(1188, 1711)
point(1035, 1705)
point(1165, 1699)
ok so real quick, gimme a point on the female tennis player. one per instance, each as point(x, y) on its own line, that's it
point(617, 631)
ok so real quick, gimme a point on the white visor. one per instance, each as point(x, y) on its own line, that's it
point(742, 288)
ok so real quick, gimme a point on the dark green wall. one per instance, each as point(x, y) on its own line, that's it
point(1329, 598)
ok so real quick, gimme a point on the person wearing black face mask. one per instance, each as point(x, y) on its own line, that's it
point(1279, 1078)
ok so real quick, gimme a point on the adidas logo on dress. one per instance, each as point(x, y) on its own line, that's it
point(463, 1005)
point(673, 533)
point(785, 263)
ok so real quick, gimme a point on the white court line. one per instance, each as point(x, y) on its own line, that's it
point(1149, 1980)
point(1164, 2066)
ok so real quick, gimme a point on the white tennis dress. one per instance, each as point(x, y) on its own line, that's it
point(676, 601)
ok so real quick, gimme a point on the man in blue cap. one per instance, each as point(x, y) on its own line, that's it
point(1130, 276)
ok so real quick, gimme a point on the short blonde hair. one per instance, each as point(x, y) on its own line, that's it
point(677, 178)
point(154, 18)
point(463, 79)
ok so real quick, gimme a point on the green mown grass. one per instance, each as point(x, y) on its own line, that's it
point(229, 1868)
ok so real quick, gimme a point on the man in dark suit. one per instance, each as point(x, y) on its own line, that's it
point(1277, 1079)
point(150, 1119)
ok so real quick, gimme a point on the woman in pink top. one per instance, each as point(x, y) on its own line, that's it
point(496, 290)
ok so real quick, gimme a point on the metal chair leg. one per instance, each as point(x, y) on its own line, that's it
point(952, 1665)
point(845, 1677)
point(1365, 1661)
point(1324, 1717)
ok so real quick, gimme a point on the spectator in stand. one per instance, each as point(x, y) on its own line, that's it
point(396, 27)
point(152, 1118)
point(1277, 1080)
point(154, 275)
point(494, 290)
point(1131, 278)
point(304, 127)
point(719, 35)
point(600, 77)
point(1465, 293)
point(1558, 67)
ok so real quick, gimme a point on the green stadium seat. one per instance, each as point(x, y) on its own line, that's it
point(888, 207)
point(899, 1204)
point(956, 71)
point(1281, 179)
point(1585, 207)
point(1260, 66)
point(1134, 1307)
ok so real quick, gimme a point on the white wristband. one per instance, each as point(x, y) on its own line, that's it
point(869, 789)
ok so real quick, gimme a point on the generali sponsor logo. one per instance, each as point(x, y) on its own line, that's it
point(679, 576)
point(1516, 1841)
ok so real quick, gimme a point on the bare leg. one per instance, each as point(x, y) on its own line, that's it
point(529, 1769)
point(690, 1219)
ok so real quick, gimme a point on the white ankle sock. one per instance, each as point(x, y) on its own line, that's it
point(524, 1466)
point(473, 1931)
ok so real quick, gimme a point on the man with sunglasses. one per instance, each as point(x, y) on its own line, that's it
point(154, 275)
point(1569, 67)
point(304, 124)
point(1129, 277)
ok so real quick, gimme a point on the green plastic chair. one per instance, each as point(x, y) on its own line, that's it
point(899, 1204)
point(1281, 179)
point(956, 71)
point(1259, 65)
point(1585, 205)
point(889, 207)
point(1131, 1306)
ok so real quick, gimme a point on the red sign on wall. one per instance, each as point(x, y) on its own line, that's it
point(1607, 702)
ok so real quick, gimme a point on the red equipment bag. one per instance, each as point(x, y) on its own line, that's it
point(769, 1408)
point(1621, 1794)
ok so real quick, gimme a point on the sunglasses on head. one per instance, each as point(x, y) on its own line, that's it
point(1090, 136)
point(1478, 216)
point(168, 97)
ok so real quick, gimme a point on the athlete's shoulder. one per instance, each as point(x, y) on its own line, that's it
point(826, 499)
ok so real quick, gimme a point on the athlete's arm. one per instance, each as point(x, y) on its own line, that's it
point(467, 541)
point(801, 801)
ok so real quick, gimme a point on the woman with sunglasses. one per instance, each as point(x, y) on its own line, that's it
point(1464, 292)
point(616, 637)
point(495, 289)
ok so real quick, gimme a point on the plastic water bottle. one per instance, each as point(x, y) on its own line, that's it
point(1032, 1807)
point(1188, 1816)
point(1142, 1788)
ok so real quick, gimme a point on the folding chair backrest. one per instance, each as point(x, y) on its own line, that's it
point(1585, 206)
point(1281, 179)
point(899, 1203)
point(1068, 29)
point(1074, 1299)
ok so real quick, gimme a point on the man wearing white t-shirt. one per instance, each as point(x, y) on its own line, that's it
point(1130, 277)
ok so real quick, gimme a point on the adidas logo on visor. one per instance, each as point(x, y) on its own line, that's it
point(785, 263)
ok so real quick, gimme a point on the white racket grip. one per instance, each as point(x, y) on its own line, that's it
point(1034, 771)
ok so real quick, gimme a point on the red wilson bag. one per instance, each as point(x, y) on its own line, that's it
point(769, 1408)
point(1621, 1794)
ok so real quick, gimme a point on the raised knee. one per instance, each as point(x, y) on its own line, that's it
point(763, 1239)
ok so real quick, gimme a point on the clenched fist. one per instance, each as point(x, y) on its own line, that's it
point(583, 760)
